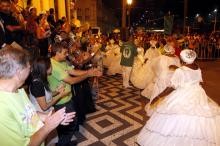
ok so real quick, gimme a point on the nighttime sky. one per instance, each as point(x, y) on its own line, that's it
point(202, 7)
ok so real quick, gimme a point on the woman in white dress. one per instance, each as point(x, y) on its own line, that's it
point(148, 69)
point(137, 69)
point(109, 53)
point(152, 52)
point(186, 116)
point(162, 70)
point(114, 64)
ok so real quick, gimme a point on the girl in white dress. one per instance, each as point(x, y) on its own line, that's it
point(186, 116)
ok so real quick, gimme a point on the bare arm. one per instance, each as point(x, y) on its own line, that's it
point(73, 80)
point(173, 67)
point(13, 28)
point(51, 122)
point(38, 138)
point(166, 92)
point(41, 35)
point(45, 106)
point(89, 73)
point(75, 72)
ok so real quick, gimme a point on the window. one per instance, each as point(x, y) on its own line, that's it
point(79, 11)
point(87, 11)
point(87, 14)
point(87, 18)
point(80, 18)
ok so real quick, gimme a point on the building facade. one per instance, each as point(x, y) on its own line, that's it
point(62, 7)
point(96, 14)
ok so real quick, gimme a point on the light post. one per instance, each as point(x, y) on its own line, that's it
point(124, 26)
point(129, 2)
point(123, 21)
point(185, 15)
point(215, 11)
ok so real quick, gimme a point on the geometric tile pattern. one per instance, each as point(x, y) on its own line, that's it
point(119, 118)
point(118, 106)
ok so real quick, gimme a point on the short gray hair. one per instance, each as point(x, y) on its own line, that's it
point(12, 59)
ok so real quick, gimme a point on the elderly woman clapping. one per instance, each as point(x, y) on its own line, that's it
point(20, 124)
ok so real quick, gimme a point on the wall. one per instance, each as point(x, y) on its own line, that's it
point(86, 11)
point(97, 14)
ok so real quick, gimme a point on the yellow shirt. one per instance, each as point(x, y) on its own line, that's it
point(18, 120)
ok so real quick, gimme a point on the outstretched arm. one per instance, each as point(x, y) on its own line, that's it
point(166, 92)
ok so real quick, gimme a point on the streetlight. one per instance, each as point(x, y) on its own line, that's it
point(129, 2)
point(185, 15)
point(215, 11)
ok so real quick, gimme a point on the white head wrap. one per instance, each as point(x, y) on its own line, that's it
point(169, 49)
point(188, 56)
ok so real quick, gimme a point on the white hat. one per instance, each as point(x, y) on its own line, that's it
point(153, 43)
point(188, 56)
point(31, 9)
point(43, 12)
point(169, 49)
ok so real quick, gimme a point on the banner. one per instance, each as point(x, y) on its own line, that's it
point(168, 24)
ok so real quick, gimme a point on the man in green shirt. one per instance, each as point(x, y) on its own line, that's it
point(128, 51)
point(62, 73)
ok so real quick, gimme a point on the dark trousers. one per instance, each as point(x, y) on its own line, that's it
point(65, 133)
point(43, 45)
point(83, 101)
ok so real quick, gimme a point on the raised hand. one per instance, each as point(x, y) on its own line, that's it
point(60, 88)
point(53, 120)
point(94, 73)
point(68, 118)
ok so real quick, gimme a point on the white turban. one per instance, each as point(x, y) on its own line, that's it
point(169, 49)
point(188, 56)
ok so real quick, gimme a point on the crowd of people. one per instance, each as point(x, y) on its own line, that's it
point(56, 65)
point(59, 64)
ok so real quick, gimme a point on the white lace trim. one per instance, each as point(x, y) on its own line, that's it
point(199, 139)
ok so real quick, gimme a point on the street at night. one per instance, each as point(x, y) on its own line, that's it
point(109, 73)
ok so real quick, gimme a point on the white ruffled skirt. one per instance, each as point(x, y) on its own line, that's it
point(115, 67)
point(141, 75)
point(186, 117)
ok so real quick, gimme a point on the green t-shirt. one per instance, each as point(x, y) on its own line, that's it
point(59, 73)
point(18, 120)
point(128, 51)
